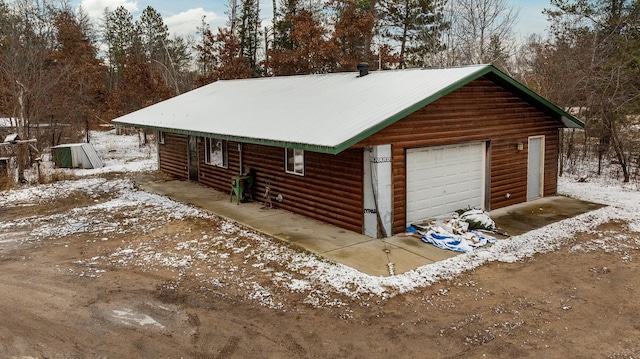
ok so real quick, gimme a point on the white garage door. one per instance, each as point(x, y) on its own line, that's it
point(442, 179)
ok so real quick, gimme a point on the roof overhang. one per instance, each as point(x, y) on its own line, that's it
point(242, 139)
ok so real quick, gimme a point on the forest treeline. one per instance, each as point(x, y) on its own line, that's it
point(62, 74)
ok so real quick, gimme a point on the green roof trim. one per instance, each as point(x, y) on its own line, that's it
point(489, 69)
point(251, 140)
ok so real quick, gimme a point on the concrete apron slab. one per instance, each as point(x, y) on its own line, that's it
point(525, 217)
point(365, 254)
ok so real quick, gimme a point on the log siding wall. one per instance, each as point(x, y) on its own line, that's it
point(332, 188)
point(173, 156)
point(479, 111)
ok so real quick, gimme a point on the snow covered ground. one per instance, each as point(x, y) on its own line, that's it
point(231, 254)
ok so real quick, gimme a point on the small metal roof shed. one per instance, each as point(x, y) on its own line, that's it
point(76, 155)
point(323, 113)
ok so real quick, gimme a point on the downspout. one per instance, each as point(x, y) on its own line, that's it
point(158, 148)
point(374, 184)
point(240, 158)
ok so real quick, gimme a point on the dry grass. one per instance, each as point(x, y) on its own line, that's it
point(42, 175)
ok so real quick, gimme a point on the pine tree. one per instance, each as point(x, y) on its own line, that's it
point(165, 56)
point(179, 65)
point(284, 26)
point(416, 25)
point(154, 34)
point(137, 78)
point(119, 36)
point(249, 33)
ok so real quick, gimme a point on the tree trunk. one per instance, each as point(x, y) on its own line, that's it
point(570, 147)
point(275, 20)
point(571, 144)
point(619, 149)
point(604, 140)
point(21, 151)
point(561, 152)
point(600, 154)
point(403, 40)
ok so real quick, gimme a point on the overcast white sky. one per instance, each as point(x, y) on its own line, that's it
point(182, 17)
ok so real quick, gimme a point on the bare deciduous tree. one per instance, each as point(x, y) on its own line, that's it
point(594, 53)
point(28, 69)
point(480, 31)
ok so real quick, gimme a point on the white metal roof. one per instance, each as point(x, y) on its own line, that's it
point(326, 113)
point(6, 122)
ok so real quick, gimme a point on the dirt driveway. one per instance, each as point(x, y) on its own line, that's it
point(97, 269)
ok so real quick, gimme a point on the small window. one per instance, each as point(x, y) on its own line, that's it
point(216, 152)
point(294, 160)
point(161, 137)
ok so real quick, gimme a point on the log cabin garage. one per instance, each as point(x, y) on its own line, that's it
point(368, 152)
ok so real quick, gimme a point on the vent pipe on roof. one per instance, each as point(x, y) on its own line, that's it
point(363, 68)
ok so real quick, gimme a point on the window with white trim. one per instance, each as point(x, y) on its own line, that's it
point(161, 137)
point(216, 152)
point(294, 161)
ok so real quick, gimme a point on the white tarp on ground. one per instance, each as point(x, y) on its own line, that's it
point(456, 232)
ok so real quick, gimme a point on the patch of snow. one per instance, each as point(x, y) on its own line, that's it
point(230, 254)
point(48, 192)
point(129, 317)
point(11, 236)
point(480, 217)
